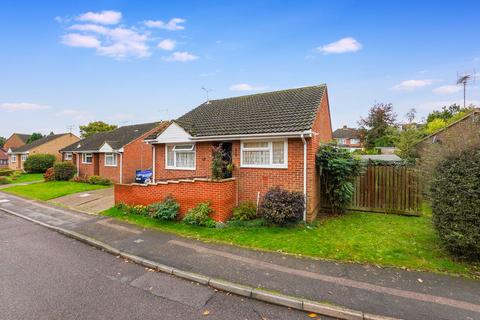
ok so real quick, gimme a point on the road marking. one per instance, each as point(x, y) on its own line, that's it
point(106, 222)
point(4, 200)
point(335, 280)
point(84, 195)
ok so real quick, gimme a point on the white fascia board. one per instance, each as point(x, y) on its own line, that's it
point(106, 148)
point(297, 134)
point(173, 134)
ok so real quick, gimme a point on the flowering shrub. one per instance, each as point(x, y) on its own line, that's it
point(49, 175)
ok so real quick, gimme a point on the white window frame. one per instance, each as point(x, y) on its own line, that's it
point(84, 156)
point(115, 158)
point(354, 141)
point(342, 141)
point(193, 150)
point(23, 157)
point(14, 158)
point(271, 165)
point(68, 156)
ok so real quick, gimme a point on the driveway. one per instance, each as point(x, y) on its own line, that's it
point(94, 201)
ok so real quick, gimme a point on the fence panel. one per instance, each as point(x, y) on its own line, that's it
point(388, 189)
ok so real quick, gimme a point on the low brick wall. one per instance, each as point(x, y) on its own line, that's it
point(188, 193)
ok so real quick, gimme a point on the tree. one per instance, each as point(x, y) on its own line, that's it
point(2, 141)
point(449, 113)
point(35, 136)
point(406, 143)
point(96, 127)
point(410, 116)
point(435, 125)
point(375, 126)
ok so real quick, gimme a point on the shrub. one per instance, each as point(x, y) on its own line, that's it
point(455, 193)
point(165, 210)
point(200, 216)
point(38, 163)
point(4, 180)
point(49, 175)
point(281, 206)
point(81, 179)
point(247, 210)
point(337, 168)
point(6, 172)
point(99, 181)
point(64, 171)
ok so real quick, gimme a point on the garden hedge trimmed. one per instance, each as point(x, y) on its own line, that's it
point(38, 163)
point(455, 193)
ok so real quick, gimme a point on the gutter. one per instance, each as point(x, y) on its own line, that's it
point(304, 175)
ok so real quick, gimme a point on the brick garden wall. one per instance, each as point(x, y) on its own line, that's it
point(221, 194)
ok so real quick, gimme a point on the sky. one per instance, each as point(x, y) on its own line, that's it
point(66, 63)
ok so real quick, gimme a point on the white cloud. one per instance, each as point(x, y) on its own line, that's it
point(122, 43)
point(90, 28)
point(447, 89)
point(411, 85)
point(79, 40)
point(22, 106)
point(103, 17)
point(172, 24)
point(344, 45)
point(167, 44)
point(246, 87)
point(181, 57)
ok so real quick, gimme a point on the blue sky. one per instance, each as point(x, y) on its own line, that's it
point(67, 63)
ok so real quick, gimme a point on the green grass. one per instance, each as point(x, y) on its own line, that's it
point(28, 177)
point(386, 240)
point(50, 190)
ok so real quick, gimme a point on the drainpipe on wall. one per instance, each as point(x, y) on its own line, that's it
point(78, 164)
point(153, 163)
point(121, 168)
point(304, 175)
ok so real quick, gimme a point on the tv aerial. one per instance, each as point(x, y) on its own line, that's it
point(207, 91)
point(464, 80)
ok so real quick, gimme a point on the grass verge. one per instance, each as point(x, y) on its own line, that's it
point(386, 240)
point(50, 190)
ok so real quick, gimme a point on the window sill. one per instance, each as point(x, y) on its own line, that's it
point(176, 168)
point(110, 165)
point(263, 167)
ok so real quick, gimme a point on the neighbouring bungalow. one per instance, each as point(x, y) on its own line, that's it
point(16, 140)
point(465, 128)
point(50, 144)
point(269, 139)
point(114, 155)
point(3, 158)
point(349, 138)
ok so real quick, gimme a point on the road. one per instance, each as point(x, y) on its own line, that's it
point(44, 275)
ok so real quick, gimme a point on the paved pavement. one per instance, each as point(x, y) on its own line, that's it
point(44, 275)
point(4, 186)
point(384, 291)
point(94, 201)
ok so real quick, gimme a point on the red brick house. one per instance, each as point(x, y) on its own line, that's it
point(3, 159)
point(348, 138)
point(16, 140)
point(114, 155)
point(270, 138)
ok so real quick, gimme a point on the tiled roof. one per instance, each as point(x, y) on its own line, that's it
point(346, 133)
point(37, 143)
point(291, 110)
point(23, 137)
point(3, 154)
point(116, 138)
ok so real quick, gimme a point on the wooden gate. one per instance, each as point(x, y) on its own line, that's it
point(388, 189)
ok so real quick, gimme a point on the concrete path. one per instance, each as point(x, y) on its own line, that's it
point(94, 201)
point(4, 186)
point(384, 291)
point(45, 275)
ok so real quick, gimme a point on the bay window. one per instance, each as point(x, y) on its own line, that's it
point(264, 154)
point(68, 156)
point(180, 156)
point(110, 159)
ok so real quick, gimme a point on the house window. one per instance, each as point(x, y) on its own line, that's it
point(23, 157)
point(14, 158)
point(87, 158)
point(180, 156)
point(264, 154)
point(110, 159)
point(354, 141)
point(68, 156)
point(342, 141)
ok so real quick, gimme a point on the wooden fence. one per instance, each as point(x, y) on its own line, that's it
point(388, 189)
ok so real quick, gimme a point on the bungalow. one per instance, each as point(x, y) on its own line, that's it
point(116, 154)
point(3, 158)
point(16, 140)
point(50, 144)
point(270, 139)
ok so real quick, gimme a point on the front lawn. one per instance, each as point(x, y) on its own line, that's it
point(50, 190)
point(28, 177)
point(387, 240)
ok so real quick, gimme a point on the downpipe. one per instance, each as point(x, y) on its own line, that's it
point(304, 175)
